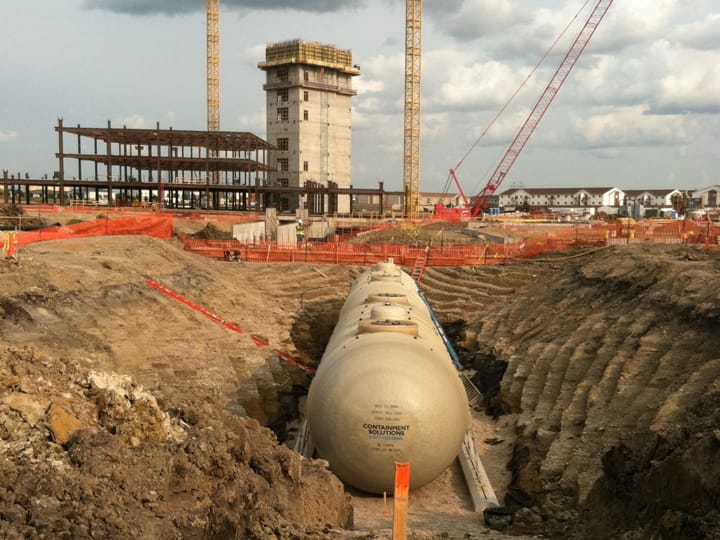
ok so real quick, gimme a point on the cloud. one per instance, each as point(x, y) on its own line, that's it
point(671, 79)
point(702, 35)
point(473, 85)
point(134, 121)
point(180, 7)
point(8, 136)
point(467, 20)
point(631, 126)
point(376, 91)
point(254, 122)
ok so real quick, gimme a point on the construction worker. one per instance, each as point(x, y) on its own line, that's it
point(299, 232)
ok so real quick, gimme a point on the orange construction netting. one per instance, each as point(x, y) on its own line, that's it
point(536, 240)
point(157, 226)
point(567, 238)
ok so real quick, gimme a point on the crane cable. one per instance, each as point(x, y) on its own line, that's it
point(507, 103)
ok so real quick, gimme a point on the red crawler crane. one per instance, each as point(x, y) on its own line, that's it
point(479, 202)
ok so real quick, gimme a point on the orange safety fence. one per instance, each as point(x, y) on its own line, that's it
point(157, 226)
point(335, 252)
point(535, 239)
point(566, 238)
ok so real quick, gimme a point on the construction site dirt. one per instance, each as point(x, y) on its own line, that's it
point(126, 414)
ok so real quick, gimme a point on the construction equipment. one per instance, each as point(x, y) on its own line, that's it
point(212, 8)
point(480, 201)
point(411, 160)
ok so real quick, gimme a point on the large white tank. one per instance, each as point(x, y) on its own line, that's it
point(386, 389)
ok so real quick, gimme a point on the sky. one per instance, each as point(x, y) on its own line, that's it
point(640, 110)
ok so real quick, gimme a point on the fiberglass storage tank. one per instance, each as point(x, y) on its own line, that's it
point(386, 389)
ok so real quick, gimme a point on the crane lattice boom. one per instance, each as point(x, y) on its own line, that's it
point(411, 161)
point(479, 202)
point(213, 64)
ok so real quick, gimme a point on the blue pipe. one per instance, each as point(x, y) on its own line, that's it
point(438, 326)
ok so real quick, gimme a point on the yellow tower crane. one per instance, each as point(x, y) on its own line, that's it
point(411, 161)
point(213, 64)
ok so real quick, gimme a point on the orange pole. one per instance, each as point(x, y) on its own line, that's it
point(11, 240)
point(400, 501)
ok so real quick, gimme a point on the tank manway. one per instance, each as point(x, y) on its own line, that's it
point(386, 389)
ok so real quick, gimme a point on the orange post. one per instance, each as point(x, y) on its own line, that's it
point(400, 501)
point(11, 240)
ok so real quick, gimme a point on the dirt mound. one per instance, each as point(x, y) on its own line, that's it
point(92, 454)
point(14, 217)
point(212, 232)
point(420, 235)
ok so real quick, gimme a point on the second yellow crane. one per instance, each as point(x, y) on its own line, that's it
point(411, 160)
point(213, 64)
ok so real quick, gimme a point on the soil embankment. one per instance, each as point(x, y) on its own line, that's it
point(611, 369)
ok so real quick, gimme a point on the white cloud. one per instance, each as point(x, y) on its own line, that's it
point(474, 18)
point(8, 136)
point(478, 85)
point(702, 34)
point(636, 22)
point(690, 82)
point(254, 123)
point(435, 127)
point(134, 121)
point(368, 86)
point(632, 127)
point(254, 53)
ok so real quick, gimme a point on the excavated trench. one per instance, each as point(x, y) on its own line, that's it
point(614, 398)
point(603, 365)
point(277, 393)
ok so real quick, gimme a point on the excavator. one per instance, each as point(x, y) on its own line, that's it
point(477, 206)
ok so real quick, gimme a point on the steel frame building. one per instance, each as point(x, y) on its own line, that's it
point(170, 168)
point(176, 168)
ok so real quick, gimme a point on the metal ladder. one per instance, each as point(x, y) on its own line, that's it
point(473, 394)
point(419, 268)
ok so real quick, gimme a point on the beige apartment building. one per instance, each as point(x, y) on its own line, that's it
point(308, 90)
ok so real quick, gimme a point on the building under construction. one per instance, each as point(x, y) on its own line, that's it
point(177, 168)
point(308, 90)
point(209, 170)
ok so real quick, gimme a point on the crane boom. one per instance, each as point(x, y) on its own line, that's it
point(480, 201)
point(212, 9)
point(411, 161)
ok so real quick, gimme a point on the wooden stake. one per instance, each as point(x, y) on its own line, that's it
point(400, 501)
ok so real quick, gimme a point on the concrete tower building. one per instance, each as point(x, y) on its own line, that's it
point(308, 90)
